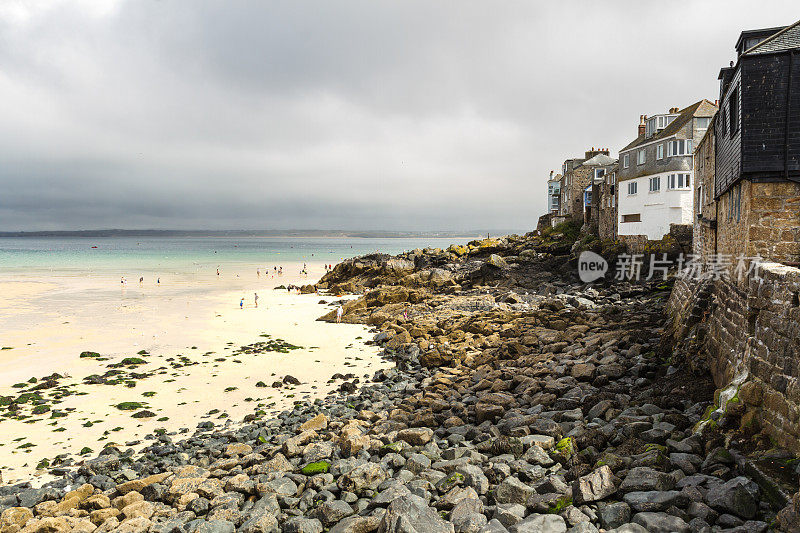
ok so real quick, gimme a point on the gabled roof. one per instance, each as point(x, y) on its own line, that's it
point(781, 39)
point(703, 108)
point(600, 160)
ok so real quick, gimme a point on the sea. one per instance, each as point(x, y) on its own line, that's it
point(109, 255)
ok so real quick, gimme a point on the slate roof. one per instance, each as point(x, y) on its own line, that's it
point(784, 39)
point(600, 160)
point(703, 108)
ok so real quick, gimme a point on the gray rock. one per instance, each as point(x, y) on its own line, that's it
point(661, 523)
point(388, 495)
point(474, 477)
point(614, 515)
point(471, 523)
point(688, 462)
point(365, 476)
point(583, 527)
point(653, 501)
point(213, 526)
point(540, 523)
point(331, 512)
point(643, 478)
point(282, 486)
point(698, 525)
point(628, 528)
point(509, 514)
point(737, 496)
point(594, 486)
point(357, 524)
point(259, 521)
point(412, 515)
point(417, 463)
point(298, 524)
point(536, 455)
point(494, 526)
point(512, 490)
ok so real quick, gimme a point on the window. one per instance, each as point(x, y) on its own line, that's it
point(733, 111)
point(655, 184)
point(723, 121)
point(660, 151)
point(626, 161)
point(612, 201)
point(699, 201)
point(701, 123)
point(679, 147)
point(678, 181)
point(637, 217)
point(599, 173)
point(641, 157)
point(735, 203)
point(632, 187)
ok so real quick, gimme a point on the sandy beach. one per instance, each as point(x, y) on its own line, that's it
point(189, 328)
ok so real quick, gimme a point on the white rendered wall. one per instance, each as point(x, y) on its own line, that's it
point(657, 209)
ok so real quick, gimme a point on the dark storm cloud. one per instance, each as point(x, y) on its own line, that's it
point(349, 114)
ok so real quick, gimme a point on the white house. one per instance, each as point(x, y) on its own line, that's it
point(655, 175)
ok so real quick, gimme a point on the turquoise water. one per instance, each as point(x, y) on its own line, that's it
point(114, 254)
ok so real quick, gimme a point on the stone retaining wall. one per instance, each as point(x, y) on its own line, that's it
point(752, 329)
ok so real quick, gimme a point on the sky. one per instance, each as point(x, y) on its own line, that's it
point(404, 115)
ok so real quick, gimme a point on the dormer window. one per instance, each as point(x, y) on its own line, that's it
point(657, 123)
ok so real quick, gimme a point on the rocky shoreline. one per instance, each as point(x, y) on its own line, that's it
point(521, 401)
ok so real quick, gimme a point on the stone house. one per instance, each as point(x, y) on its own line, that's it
point(747, 204)
point(605, 213)
point(757, 154)
point(655, 171)
point(577, 175)
point(704, 229)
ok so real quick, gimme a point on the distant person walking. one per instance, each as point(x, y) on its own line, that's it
point(217, 271)
point(141, 279)
point(339, 312)
point(258, 272)
point(255, 298)
point(241, 303)
point(158, 281)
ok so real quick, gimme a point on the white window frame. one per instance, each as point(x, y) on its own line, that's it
point(655, 184)
point(660, 151)
point(680, 181)
point(679, 147)
point(633, 188)
point(708, 121)
point(641, 157)
point(626, 161)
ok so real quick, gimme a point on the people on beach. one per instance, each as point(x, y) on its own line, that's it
point(141, 279)
point(255, 298)
point(258, 273)
point(217, 271)
point(339, 312)
point(158, 281)
point(241, 303)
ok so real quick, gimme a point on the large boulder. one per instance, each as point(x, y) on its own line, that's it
point(412, 515)
point(593, 487)
point(738, 496)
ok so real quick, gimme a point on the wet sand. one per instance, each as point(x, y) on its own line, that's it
point(190, 325)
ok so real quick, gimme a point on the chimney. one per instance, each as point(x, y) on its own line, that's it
point(551, 174)
point(642, 119)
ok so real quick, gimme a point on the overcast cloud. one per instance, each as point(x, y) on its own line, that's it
point(333, 114)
